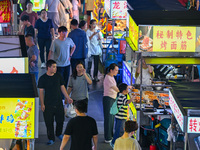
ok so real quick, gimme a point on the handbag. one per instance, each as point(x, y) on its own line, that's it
point(69, 111)
point(114, 109)
point(66, 9)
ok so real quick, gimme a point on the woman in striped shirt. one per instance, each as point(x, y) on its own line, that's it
point(121, 116)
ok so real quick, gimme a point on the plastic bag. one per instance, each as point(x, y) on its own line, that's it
point(69, 111)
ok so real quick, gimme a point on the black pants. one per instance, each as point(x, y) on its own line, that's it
point(64, 71)
point(49, 114)
point(44, 43)
point(96, 64)
point(108, 118)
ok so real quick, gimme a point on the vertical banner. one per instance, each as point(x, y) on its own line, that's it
point(174, 39)
point(5, 11)
point(107, 6)
point(118, 9)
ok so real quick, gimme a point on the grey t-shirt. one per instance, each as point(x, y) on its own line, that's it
point(33, 50)
point(52, 5)
point(79, 87)
point(61, 51)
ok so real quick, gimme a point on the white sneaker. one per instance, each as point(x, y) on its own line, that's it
point(43, 65)
point(108, 141)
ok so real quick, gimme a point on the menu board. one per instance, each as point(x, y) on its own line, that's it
point(174, 39)
point(193, 125)
point(133, 32)
point(176, 111)
point(169, 39)
point(17, 118)
point(118, 9)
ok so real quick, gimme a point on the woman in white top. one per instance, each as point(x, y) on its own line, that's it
point(95, 49)
point(147, 73)
point(76, 4)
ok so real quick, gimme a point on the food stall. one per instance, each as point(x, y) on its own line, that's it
point(161, 38)
point(19, 102)
point(184, 102)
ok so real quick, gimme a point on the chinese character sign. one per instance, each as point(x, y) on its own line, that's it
point(133, 32)
point(107, 6)
point(17, 117)
point(174, 39)
point(176, 111)
point(5, 11)
point(118, 9)
point(193, 125)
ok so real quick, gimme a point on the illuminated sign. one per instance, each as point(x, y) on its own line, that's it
point(169, 39)
point(17, 118)
point(118, 9)
point(5, 11)
point(176, 111)
point(38, 5)
point(127, 75)
point(13, 65)
point(174, 39)
point(133, 32)
point(193, 125)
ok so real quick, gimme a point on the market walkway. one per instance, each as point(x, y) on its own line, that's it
point(95, 110)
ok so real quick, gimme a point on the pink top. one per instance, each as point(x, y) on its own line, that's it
point(108, 83)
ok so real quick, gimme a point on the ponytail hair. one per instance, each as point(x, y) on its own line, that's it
point(111, 67)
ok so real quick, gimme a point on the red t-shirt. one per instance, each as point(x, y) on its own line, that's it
point(32, 17)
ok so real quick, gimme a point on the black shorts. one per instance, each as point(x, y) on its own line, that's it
point(89, 13)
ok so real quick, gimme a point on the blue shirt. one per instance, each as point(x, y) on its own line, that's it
point(33, 50)
point(80, 40)
point(44, 28)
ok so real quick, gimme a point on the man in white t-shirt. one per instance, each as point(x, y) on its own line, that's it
point(125, 142)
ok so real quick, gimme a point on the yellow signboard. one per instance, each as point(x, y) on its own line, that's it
point(174, 39)
point(133, 32)
point(17, 118)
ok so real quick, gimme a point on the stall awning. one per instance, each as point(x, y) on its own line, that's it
point(169, 5)
point(183, 18)
point(143, 5)
point(18, 85)
point(187, 93)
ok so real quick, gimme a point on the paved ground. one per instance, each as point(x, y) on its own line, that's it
point(95, 110)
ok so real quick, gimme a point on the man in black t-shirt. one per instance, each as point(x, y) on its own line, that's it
point(81, 129)
point(50, 85)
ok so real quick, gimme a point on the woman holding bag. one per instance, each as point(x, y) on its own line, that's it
point(78, 83)
point(110, 94)
point(95, 49)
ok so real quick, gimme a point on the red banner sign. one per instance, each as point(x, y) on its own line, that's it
point(5, 11)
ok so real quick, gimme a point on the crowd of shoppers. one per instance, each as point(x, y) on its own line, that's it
point(76, 49)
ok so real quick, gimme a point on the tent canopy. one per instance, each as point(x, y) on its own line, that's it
point(169, 5)
point(183, 18)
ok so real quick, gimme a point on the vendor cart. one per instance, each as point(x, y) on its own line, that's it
point(154, 36)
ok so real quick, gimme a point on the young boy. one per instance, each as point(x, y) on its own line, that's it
point(126, 142)
point(121, 116)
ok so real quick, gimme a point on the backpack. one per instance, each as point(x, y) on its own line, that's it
point(114, 109)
